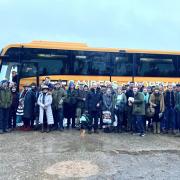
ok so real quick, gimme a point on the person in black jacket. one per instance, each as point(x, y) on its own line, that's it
point(129, 93)
point(35, 93)
point(81, 98)
point(29, 97)
point(70, 105)
point(169, 100)
point(93, 104)
point(13, 108)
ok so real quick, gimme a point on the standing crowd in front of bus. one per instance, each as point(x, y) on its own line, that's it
point(113, 108)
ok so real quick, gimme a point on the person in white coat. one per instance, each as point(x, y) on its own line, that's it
point(45, 110)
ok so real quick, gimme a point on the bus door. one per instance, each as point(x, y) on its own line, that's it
point(28, 74)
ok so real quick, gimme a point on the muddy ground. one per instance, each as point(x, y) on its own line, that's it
point(64, 155)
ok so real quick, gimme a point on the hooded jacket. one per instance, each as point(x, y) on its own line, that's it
point(139, 104)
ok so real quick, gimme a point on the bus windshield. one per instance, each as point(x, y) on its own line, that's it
point(6, 70)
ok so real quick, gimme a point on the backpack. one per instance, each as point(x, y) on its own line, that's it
point(150, 111)
point(106, 116)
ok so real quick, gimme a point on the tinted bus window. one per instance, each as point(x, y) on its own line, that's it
point(53, 67)
point(48, 61)
point(178, 66)
point(123, 65)
point(29, 70)
point(157, 66)
point(91, 63)
point(53, 62)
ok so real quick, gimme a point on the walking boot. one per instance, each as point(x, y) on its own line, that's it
point(42, 128)
point(48, 129)
point(158, 128)
point(154, 128)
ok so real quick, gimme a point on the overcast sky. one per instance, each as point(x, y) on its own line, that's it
point(145, 24)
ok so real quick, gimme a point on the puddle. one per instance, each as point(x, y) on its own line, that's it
point(74, 169)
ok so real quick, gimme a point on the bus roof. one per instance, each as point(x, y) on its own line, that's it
point(81, 46)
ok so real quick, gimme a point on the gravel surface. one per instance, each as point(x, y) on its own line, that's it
point(65, 155)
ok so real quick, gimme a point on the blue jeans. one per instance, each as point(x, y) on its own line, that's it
point(4, 117)
point(170, 118)
point(138, 124)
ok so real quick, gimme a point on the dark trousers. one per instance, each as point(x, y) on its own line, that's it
point(71, 113)
point(58, 118)
point(138, 122)
point(45, 124)
point(4, 117)
point(12, 118)
point(69, 122)
point(129, 118)
point(169, 118)
point(101, 119)
point(32, 121)
point(178, 119)
point(94, 115)
point(120, 116)
point(26, 122)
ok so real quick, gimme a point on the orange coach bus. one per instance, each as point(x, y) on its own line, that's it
point(81, 63)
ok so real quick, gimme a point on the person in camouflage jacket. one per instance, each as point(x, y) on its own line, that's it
point(5, 104)
point(58, 95)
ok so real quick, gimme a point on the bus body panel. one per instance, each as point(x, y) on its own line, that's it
point(102, 80)
point(122, 65)
point(152, 81)
point(86, 80)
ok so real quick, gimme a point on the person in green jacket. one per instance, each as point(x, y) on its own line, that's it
point(138, 112)
point(58, 95)
point(5, 104)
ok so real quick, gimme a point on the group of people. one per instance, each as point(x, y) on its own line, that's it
point(129, 108)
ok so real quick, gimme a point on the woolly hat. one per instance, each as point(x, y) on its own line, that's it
point(156, 88)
